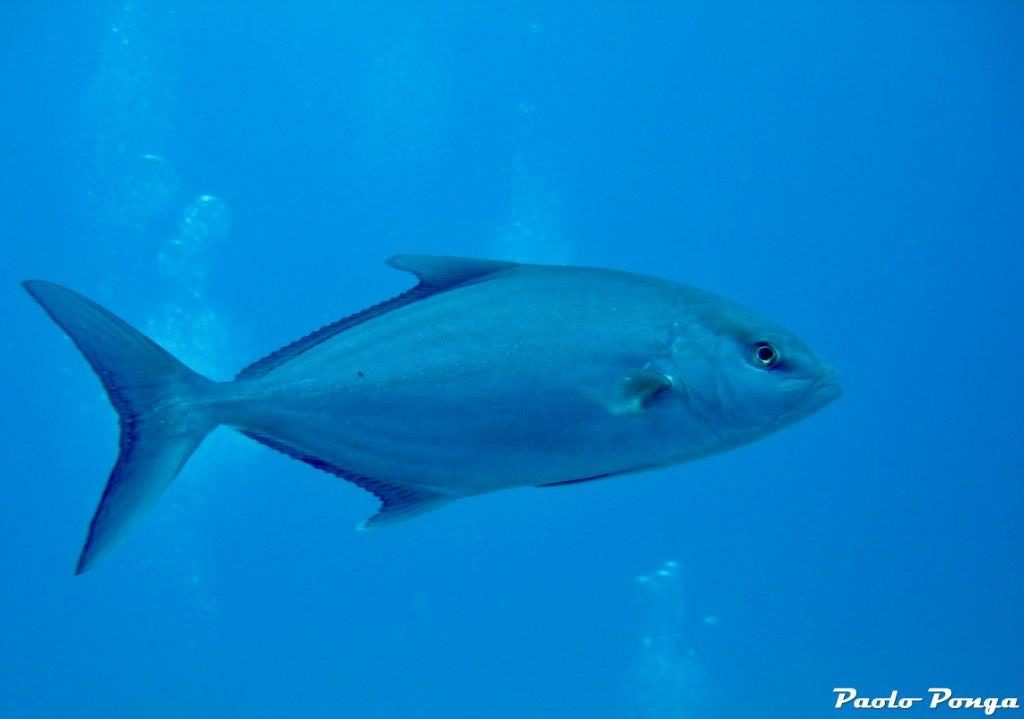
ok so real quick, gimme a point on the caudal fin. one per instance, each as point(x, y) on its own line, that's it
point(163, 408)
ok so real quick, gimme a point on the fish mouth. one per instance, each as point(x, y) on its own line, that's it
point(827, 389)
point(820, 392)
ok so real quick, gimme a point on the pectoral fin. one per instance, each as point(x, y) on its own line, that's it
point(636, 391)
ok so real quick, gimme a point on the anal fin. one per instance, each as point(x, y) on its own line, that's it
point(398, 501)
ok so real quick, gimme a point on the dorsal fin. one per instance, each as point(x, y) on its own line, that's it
point(436, 275)
point(444, 273)
point(397, 501)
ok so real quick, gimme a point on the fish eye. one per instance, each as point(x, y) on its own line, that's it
point(765, 355)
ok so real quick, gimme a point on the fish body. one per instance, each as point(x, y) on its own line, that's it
point(487, 375)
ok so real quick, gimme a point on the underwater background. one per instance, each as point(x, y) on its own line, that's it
point(229, 176)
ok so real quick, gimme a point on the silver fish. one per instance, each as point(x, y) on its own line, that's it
point(486, 375)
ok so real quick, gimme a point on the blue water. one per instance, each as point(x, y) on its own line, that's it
point(230, 176)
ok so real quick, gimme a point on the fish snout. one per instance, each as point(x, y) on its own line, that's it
point(827, 388)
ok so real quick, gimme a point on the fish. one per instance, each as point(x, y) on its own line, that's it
point(485, 375)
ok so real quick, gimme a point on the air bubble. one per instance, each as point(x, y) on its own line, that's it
point(188, 256)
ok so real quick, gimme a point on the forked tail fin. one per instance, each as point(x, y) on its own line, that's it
point(164, 410)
